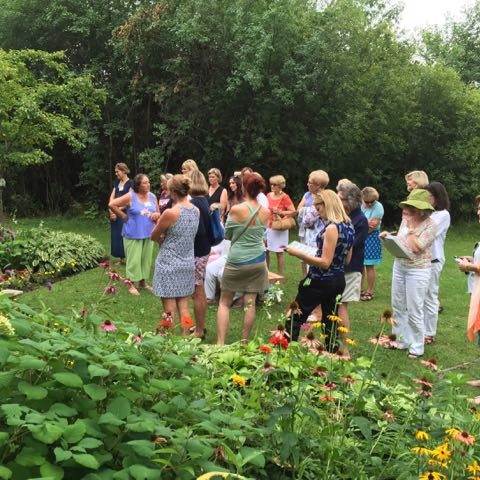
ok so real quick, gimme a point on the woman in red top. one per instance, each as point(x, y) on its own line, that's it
point(280, 206)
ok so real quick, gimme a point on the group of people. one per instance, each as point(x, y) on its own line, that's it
point(340, 246)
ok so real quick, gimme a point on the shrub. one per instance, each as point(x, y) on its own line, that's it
point(40, 254)
point(84, 398)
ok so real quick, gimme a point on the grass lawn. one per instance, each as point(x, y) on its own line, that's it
point(451, 348)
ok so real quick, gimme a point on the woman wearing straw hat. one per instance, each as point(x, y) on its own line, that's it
point(411, 276)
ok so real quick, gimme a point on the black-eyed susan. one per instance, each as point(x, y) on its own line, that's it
point(422, 435)
point(421, 450)
point(452, 432)
point(474, 468)
point(343, 329)
point(334, 318)
point(442, 453)
point(351, 342)
point(431, 475)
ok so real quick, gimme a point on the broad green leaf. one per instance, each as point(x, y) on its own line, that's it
point(46, 432)
point(61, 454)
point(89, 442)
point(95, 392)
point(68, 379)
point(4, 354)
point(5, 473)
point(109, 419)
point(32, 392)
point(144, 448)
point(62, 410)
point(174, 361)
point(6, 379)
point(139, 472)
point(86, 460)
point(252, 456)
point(13, 412)
point(75, 432)
point(120, 407)
point(364, 425)
point(28, 362)
point(52, 471)
point(30, 457)
point(97, 371)
point(3, 438)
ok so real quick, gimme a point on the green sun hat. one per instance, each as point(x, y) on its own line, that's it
point(418, 198)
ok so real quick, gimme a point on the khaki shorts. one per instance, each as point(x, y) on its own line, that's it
point(353, 285)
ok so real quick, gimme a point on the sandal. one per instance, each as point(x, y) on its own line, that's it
point(133, 291)
point(428, 340)
point(412, 356)
point(366, 297)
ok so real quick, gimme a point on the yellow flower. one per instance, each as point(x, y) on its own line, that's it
point(334, 318)
point(431, 475)
point(421, 435)
point(474, 468)
point(442, 453)
point(238, 380)
point(317, 324)
point(6, 327)
point(351, 341)
point(453, 432)
point(437, 464)
point(421, 450)
point(343, 329)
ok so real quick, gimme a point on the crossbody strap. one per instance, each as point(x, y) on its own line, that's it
point(247, 223)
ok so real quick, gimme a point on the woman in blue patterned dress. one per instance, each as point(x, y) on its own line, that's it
point(121, 186)
point(373, 210)
point(174, 278)
point(325, 280)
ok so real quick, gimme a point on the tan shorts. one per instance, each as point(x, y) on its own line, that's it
point(353, 285)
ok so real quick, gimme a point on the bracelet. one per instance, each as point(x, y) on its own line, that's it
point(411, 231)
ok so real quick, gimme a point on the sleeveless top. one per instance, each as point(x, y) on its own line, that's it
point(249, 245)
point(308, 199)
point(346, 235)
point(139, 225)
point(119, 191)
point(215, 196)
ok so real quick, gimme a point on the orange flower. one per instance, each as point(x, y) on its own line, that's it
point(186, 321)
point(265, 349)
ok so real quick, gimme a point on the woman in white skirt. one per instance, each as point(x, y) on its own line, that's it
point(280, 206)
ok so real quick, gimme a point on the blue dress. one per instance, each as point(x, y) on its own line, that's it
point(373, 244)
point(116, 239)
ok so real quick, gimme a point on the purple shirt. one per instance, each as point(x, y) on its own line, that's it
point(139, 224)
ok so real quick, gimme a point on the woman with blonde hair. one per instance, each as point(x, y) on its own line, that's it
point(325, 279)
point(416, 179)
point(308, 219)
point(188, 166)
point(373, 210)
point(164, 200)
point(217, 195)
point(280, 206)
point(174, 278)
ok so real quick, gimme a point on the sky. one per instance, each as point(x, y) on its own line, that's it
point(418, 14)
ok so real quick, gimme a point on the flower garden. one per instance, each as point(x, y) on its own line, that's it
point(89, 394)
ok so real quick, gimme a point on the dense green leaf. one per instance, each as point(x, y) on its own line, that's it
point(95, 392)
point(120, 407)
point(68, 379)
point(62, 455)
point(30, 457)
point(32, 392)
point(97, 371)
point(46, 432)
point(75, 432)
point(5, 473)
point(86, 460)
point(52, 471)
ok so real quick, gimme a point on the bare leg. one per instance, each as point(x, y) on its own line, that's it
point(183, 311)
point(343, 314)
point(169, 305)
point(280, 262)
point(199, 309)
point(267, 258)
point(364, 284)
point(223, 313)
point(249, 317)
point(370, 278)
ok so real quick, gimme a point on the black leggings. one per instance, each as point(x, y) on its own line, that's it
point(312, 293)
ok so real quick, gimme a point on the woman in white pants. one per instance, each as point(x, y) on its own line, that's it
point(441, 217)
point(411, 277)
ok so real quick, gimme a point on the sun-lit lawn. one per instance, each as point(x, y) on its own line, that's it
point(451, 348)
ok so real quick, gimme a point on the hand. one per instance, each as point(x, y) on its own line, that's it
point(112, 216)
point(464, 265)
point(124, 217)
point(154, 217)
point(383, 234)
point(295, 252)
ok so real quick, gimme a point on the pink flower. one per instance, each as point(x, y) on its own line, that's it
point(306, 328)
point(268, 367)
point(128, 283)
point(430, 363)
point(108, 326)
point(114, 276)
point(280, 332)
point(83, 312)
point(104, 265)
point(110, 290)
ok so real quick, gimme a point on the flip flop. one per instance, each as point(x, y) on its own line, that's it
point(428, 340)
point(366, 297)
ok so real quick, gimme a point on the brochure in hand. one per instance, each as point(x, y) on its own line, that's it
point(395, 247)
point(304, 248)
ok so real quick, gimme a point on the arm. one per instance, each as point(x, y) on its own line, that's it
point(468, 266)
point(223, 202)
point(423, 241)
point(119, 203)
point(155, 216)
point(112, 215)
point(348, 258)
point(329, 243)
point(166, 220)
point(373, 224)
point(301, 204)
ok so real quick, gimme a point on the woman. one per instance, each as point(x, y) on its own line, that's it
point(235, 193)
point(416, 179)
point(139, 217)
point(411, 276)
point(308, 220)
point(280, 206)
point(201, 249)
point(217, 195)
point(121, 186)
point(164, 200)
point(188, 166)
point(174, 278)
point(471, 265)
point(440, 202)
point(245, 270)
point(325, 279)
point(373, 210)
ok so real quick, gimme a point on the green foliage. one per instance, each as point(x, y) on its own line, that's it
point(81, 403)
point(43, 254)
